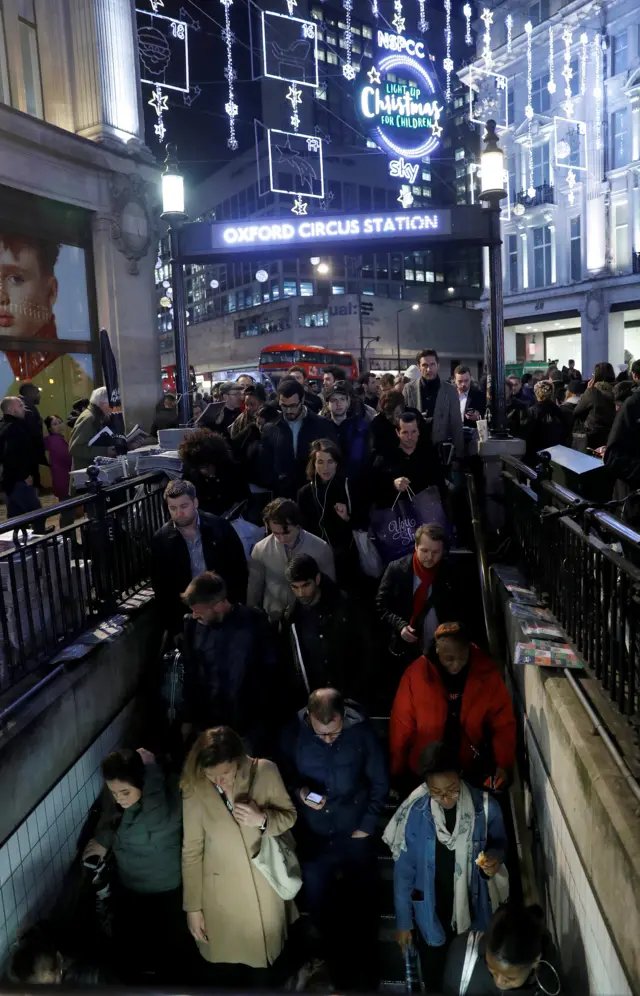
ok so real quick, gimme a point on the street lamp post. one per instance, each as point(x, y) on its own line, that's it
point(492, 192)
point(400, 311)
point(174, 214)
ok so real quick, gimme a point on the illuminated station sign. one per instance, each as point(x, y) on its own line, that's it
point(397, 104)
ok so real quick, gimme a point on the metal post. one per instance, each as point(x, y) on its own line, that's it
point(183, 385)
point(496, 330)
point(398, 313)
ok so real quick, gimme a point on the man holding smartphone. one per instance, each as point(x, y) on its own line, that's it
point(335, 769)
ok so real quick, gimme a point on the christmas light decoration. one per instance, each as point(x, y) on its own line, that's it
point(374, 8)
point(571, 182)
point(398, 20)
point(230, 107)
point(598, 89)
point(423, 24)
point(348, 71)
point(156, 4)
point(528, 111)
point(567, 72)
point(406, 197)
point(551, 85)
point(509, 25)
point(487, 17)
point(584, 41)
point(466, 10)
point(290, 5)
point(448, 61)
point(159, 102)
point(299, 205)
point(294, 96)
point(163, 51)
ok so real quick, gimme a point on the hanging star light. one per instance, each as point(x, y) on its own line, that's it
point(467, 11)
point(156, 5)
point(447, 63)
point(348, 71)
point(294, 96)
point(374, 8)
point(423, 24)
point(398, 22)
point(584, 41)
point(598, 89)
point(551, 85)
point(509, 25)
point(299, 206)
point(160, 130)
point(374, 76)
point(487, 17)
point(406, 197)
point(230, 76)
point(295, 120)
point(571, 182)
point(567, 72)
point(528, 111)
point(290, 5)
point(159, 101)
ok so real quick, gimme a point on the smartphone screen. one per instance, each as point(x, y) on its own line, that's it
point(315, 798)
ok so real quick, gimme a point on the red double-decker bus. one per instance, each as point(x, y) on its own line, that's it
point(275, 361)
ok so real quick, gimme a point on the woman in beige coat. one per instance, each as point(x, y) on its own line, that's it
point(232, 911)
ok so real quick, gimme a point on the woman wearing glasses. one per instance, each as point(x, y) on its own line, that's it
point(448, 842)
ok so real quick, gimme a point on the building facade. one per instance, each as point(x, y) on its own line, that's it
point(571, 229)
point(77, 203)
point(232, 315)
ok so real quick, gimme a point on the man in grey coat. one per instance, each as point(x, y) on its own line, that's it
point(437, 400)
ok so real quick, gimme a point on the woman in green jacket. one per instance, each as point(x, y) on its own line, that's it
point(141, 825)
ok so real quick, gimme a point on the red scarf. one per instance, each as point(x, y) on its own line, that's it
point(28, 365)
point(427, 577)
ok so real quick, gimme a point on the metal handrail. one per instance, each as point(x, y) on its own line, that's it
point(485, 583)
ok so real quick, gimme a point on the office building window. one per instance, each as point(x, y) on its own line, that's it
point(541, 173)
point(621, 235)
point(620, 138)
point(542, 257)
point(575, 249)
point(511, 102)
point(459, 154)
point(337, 288)
point(290, 288)
point(306, 288)
point(619, 58)
point(512, 251)
point(540, 96)
point(31, 68)
point(538, 11)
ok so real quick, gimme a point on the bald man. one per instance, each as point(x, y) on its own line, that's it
point(19, 456)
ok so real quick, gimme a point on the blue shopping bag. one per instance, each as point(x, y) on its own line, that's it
point(394, 528)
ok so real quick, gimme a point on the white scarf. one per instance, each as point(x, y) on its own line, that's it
point(459, 840)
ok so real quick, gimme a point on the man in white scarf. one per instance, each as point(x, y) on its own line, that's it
point(424, 825)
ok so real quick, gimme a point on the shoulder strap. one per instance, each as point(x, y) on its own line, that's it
point(470, 959)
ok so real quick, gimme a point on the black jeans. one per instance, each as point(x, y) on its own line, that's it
point(151, 936)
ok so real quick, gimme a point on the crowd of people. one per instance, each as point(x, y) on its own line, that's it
point(270, 788)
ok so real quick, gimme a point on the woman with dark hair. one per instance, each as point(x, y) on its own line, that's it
point(230, 802)
point(515, 955)
point(140, 825)
point(597, 408)
point(448, 842)
point(331, 507)
point(547, 424)
point(457, 695)
point(59, 457)
point(383, 426)
point(209, 465)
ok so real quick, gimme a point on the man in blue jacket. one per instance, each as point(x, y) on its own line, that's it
point(335, 769)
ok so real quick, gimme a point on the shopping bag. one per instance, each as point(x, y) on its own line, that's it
point(370, 560)
point(394, 528)
point(249, 534)
point(428, 507)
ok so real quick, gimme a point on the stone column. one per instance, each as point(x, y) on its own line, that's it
point(105, 70)
point(127, 309)
point(595, 337)
point(616, 338)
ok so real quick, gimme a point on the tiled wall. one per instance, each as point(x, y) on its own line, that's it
point(35, 859)
point(588, 956)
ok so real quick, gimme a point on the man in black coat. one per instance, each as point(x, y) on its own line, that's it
point(417, 593)
point(473, 403)
point(193, 542)
point(19, 457)
point(230, 665)
point(285, 444)
point(622, 456)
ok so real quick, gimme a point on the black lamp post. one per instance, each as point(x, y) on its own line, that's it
point(173, 212)
point(492, 192)
point(414, 307)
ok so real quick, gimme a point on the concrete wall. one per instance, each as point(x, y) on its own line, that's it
point(588, 829)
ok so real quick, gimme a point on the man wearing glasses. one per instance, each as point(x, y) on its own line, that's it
point(285, 444)
point(334, 767)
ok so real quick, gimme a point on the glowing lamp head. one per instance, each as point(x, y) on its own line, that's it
point(323, 269)
point(262, 276)
point(172, 186)
point(492, 166)
point(415, 307)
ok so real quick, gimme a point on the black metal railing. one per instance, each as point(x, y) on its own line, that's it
point(544, 194)
point(572, 552)
point(635, 262)
point(56, 585)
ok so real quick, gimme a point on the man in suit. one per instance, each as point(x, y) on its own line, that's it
point(473, 403)
point(437, 400)
point(190, 544)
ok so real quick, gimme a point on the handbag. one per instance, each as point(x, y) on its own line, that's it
point(498, 883)
point(277, 860)
point(370, 560)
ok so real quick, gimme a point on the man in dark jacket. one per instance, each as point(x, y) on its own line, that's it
point(622, 456)
point(285, 444)
point(334, 767)
point(323, 634)
point(19, 456)
point(437, 400)
point(354, 435)
point(230, 664)
point(193, 542)
point(311, 400)
point(31, 394)
point(473, 403)
point(417, 593)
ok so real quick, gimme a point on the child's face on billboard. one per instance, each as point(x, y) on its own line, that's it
point(27, 295)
